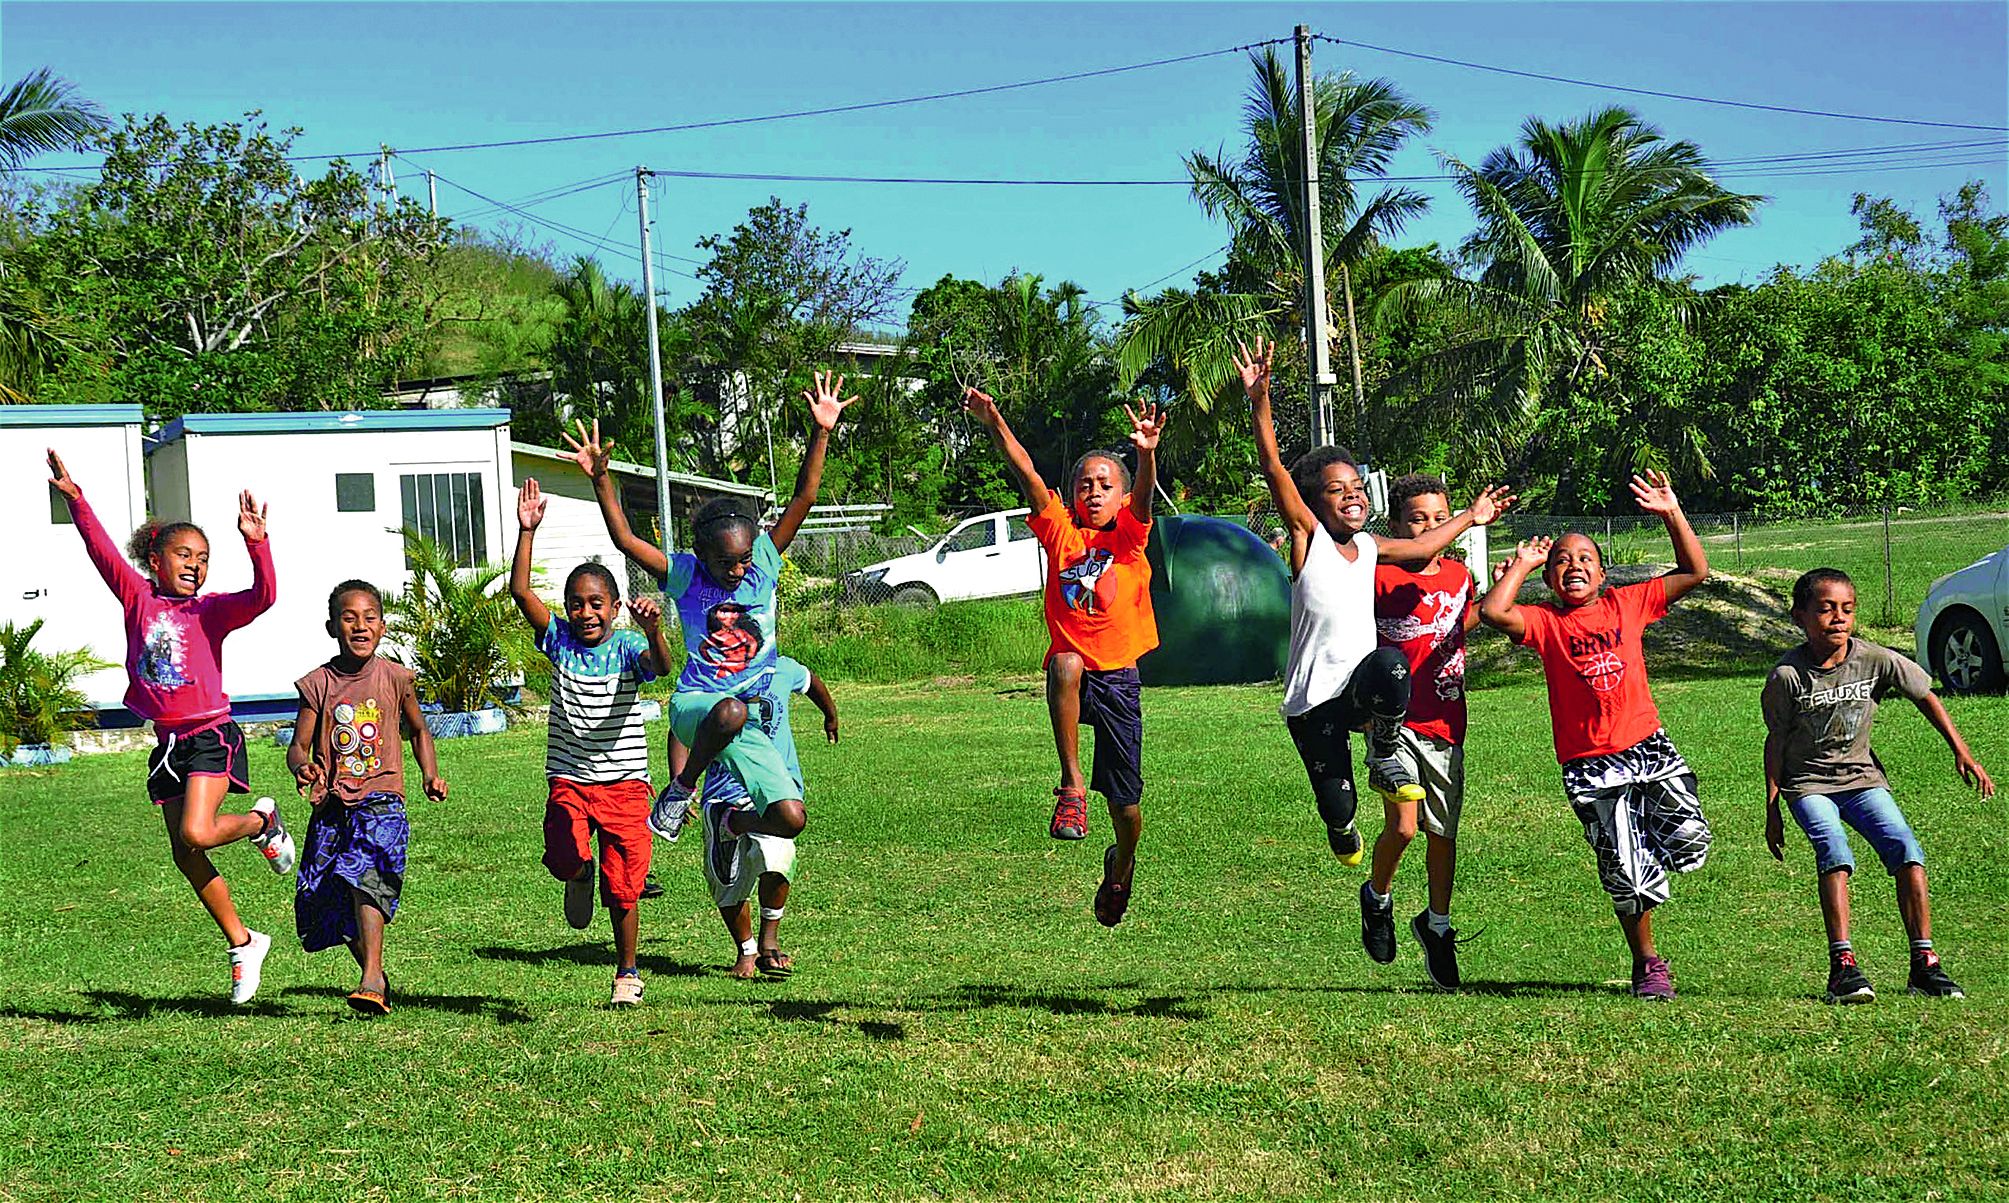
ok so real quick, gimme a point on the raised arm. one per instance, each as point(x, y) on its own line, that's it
point(649, 617)
point(234, 610)
point(1970, 769)
point(125, 581)
point(819, 693)
point(824, 409)
point(1252, 361)
point(422, 746)
point(592, 455)
point(1501, 609)
point(529, 512)
point(1484, 510)
point(1146, 425)
point(1655, 495)
point(985, 410)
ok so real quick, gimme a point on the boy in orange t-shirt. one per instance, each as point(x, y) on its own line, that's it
point(1099, 618)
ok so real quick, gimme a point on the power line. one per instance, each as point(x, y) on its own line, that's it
point(1611, 87)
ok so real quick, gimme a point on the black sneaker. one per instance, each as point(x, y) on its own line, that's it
point(1929, 979)
point(651, 888)
point(1846, 982)
point(1440, 953)
point(1377, 925)
point(1389, 777)
point(1346, 844)
point(721, 845)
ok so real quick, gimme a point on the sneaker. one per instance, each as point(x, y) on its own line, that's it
point(1346, 844)
point(1440, 954)
point(651, 888)
point(721, 845)
point(1846, 982)
point(1377, 926)
point(671, 811)
point(1653, 980)
point(247, 961)
point(1070, 814)
point(1389, 777)
point(273, 842)
point(579, 899)
point(1929, 979)
point(627, 990)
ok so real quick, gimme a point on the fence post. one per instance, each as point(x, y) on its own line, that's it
point(1606, 554)
point(1889, 587)
point(1737, 529)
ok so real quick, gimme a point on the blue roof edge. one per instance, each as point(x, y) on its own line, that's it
point(334, 421)
point(69, 415)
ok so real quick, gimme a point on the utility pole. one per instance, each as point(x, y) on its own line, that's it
point(385, 179)
point(1318, 351)
point(432, 193)
point(1361, 446)
point(663, 515)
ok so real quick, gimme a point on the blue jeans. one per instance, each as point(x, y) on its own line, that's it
point(1872, 812)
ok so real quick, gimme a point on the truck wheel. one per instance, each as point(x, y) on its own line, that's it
point(916, 597)
point(1964, 654)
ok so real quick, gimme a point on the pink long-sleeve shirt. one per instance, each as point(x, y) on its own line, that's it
point(174, 645)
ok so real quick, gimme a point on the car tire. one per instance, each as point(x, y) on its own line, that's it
point(1964, 655)
point(915, 597)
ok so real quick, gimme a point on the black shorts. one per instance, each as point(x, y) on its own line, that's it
point(211, 752)
point(1112, 704)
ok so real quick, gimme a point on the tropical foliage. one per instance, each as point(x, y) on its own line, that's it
point(39, 699)
point(454, 629)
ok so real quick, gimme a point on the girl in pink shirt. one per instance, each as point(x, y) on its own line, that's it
point(174, 659)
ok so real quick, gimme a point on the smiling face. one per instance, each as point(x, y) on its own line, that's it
point(727, 554)
point(1418, 514)
point(358, 624)
point(1100, 490)
point(1828, 617)
point(1340, 500)
point(590, 609)
point(1575, 570)
point(180, 563)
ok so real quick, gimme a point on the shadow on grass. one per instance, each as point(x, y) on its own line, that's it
point(589, 954)
point(126, 1007)
point(504, 1010)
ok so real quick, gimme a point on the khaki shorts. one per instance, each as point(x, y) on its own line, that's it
point(758, 855)
point(1439, 767)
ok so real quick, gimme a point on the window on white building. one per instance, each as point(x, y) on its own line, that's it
point(447, 508)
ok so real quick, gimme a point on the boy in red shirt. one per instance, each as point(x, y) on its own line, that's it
point(1099, 619)
point(1630, 788)
point(1424, 611)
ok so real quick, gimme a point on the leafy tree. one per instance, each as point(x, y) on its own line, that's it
point(39, 112)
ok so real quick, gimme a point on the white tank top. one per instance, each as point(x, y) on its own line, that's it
point(1332, 621)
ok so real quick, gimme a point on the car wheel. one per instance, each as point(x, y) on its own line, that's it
point(1965, 656)
point(917, 597)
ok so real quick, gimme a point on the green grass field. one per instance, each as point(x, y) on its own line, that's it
point(960, 1028)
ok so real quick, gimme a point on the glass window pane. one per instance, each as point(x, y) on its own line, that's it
point(1016, 524)
point(456, 483)
point(479, 513)
point(59, 508)
point(428, 508)
point(408, 494)
point(355, 493)
point(983, 534)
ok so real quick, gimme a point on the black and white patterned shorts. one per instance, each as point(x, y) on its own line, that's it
point(1642, 818)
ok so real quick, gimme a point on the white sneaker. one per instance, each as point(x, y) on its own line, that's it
point(627, 990)
point(671, 811)
point(273, 842)
point(247, 961)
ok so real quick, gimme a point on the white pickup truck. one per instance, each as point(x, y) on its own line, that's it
point(991, 555)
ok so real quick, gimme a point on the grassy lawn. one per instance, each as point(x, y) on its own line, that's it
point(960, 1028)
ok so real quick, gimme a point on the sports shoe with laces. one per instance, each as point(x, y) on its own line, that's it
point(1070, 814)
point(1929, 979)
point(627, 990)
point(579, 899)
point(1440, 953)
point(1346, 844)
point(272, 842)
point(1387, 776)
point(247, 963)
point(721, 844)
point(671, 811)
point(1653, 980)
point(1377, 925)
point(1847, 983)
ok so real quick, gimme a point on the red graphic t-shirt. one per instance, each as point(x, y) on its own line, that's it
point(1098, 587)
point(1425, 616)
point(1598, 699)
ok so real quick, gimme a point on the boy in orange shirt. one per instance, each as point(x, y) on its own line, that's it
point(1099, 619)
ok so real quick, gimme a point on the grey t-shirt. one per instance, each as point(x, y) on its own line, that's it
point(1824, 715)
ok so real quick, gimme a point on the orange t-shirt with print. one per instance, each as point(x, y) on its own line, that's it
point(1098, 587)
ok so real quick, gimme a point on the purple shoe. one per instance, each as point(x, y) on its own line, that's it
point(1653, 980)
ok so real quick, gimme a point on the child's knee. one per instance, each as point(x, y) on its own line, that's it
point(1064, 669)
point(1401, 825)
point(787, 818)
point(727, 717)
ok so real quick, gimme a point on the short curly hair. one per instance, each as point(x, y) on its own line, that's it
point(1403, 489)
point(1308, 472)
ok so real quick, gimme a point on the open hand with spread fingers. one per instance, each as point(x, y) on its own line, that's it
point(530, 504)
point(587, 450)
point(250, 518)
point(1533, 553)
point(1490, 504)
point(1655, 493)
point(1147, 423)
point(1252, 364)
point(824, 407)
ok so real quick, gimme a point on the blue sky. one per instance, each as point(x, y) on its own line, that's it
point(354, 76)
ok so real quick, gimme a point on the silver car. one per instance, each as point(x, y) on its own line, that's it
point(1963, 626)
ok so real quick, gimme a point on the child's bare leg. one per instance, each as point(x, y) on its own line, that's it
point(1912, 903)
point(679, 755)
point(1128, 823)
point(203, 878)
point(1063, 705)
point(724, 722)
point(773, 897)
point(1398, 827)
point(739, 925)
point(1440, 856)
point(368, 946)
point(202, 828)
point(1639, 936)
point(785, 819)
point(1835, 903)
point(626, 931)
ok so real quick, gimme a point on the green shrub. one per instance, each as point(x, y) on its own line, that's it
point(39, 699)
point(991, 638)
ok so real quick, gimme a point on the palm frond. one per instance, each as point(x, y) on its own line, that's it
point(41, 112)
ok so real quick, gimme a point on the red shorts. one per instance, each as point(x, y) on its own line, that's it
point(614, 809)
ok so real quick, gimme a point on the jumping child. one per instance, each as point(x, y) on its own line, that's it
point(174, 662)
point(1629, 787)
point(345, 759)
point(1099, 621)
point(1424, 611)
point(761, 863)
point(1335, 679)
point(1819, 703)
point(597, 750)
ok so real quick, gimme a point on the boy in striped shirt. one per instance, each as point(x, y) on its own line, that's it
point(597, 753)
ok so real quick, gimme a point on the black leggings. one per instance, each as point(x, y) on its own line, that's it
point(1377, 690)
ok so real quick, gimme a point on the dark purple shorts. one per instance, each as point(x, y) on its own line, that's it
point(1112, 705)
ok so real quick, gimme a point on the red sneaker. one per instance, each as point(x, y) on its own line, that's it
point(1070, 814)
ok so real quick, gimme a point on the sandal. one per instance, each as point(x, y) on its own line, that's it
point(371, 1002)
point(1070, 814)
point(1111, 899)
point(774, 963)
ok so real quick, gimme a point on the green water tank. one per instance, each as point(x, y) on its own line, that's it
point(1223, 602)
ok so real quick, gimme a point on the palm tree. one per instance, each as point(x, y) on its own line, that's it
point(1359, 125)
point(1573, 220)
point(39, 113)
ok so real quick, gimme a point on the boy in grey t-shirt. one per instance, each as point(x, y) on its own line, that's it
point(1819, 703)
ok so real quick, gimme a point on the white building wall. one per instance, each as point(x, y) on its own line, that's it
point(572, 531)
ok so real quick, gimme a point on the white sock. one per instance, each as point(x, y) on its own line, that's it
point(1381, 901)
point(771, 914)
point(1439, 924)
point(749, 946)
